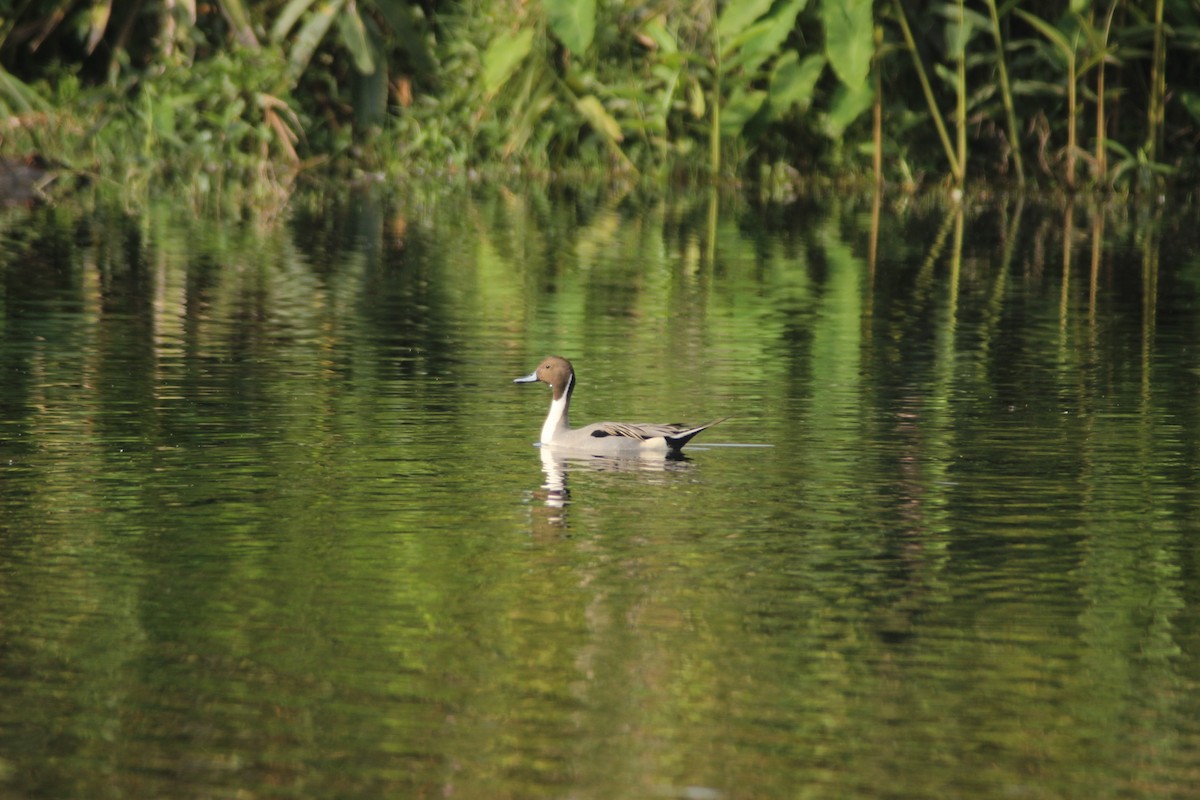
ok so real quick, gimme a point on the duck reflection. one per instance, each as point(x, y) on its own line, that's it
point(558, 463)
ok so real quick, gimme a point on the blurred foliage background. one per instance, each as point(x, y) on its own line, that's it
point(241, 97)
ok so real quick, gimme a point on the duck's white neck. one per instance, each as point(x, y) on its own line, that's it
point(556, 422)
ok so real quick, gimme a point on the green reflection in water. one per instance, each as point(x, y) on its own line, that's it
point(271, 522)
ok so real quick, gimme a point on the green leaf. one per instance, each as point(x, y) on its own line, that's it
point(663, 39)
point(764, 39)
point(957, 37)
point(599, 118)
point(947, 74)
point(697, 103)
point(848, 104)
point(502, 58)
point(793, 80)
point(310, 36)
point(974, 20)
point(1116, 147)
point(356, 41)
point(738, 15)
point(573, 22)
point(99, 15)
point(409, 33)
point(238, 17)
point(959, 34)
point(1049, 31)
point(1037, 87)
point(751, 48)
point(1191, 103)
point(18, 96)
point(849, 39)
point(288, 18)
point(738, 110)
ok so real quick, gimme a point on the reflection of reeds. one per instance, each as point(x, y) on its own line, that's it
point(955, 275)
point(995, 298)
point(1068, 238)
point(1150, 253)
point(1094, 279)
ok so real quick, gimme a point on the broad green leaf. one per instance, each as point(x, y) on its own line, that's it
point(599, 118)
point(748, 49)
point(573, 22)
point(738, 110)
point(848, 104)
point(849, 39)
point(356, 41)
point(310, 36)
point(739, 15)
point(765, 38)
point(793, 80)
point(502, 58)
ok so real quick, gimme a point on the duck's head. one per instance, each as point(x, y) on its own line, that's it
point(555, 371)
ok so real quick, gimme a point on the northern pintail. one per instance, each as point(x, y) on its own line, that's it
point(607, 438)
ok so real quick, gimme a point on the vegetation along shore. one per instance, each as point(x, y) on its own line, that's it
point(242, 98)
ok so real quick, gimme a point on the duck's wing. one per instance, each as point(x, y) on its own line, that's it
point(627, 430)
point(675, 432)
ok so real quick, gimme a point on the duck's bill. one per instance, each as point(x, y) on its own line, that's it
point(530, 378)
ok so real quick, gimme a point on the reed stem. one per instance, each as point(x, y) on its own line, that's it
point(1072, 133)
point(1010, 112)
point(961, 107)
point(955, 168)
point(877, 127)
point(714, 133)
point(1101, 147)
point(1157, 88)
point(1101, 56)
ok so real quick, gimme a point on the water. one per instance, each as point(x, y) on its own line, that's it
point(272, 524)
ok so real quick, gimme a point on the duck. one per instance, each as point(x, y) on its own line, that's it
point(603, 438)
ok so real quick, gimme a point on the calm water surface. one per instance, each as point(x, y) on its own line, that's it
point(272, 523)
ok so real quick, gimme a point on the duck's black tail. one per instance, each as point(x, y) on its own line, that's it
point(678, 440)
